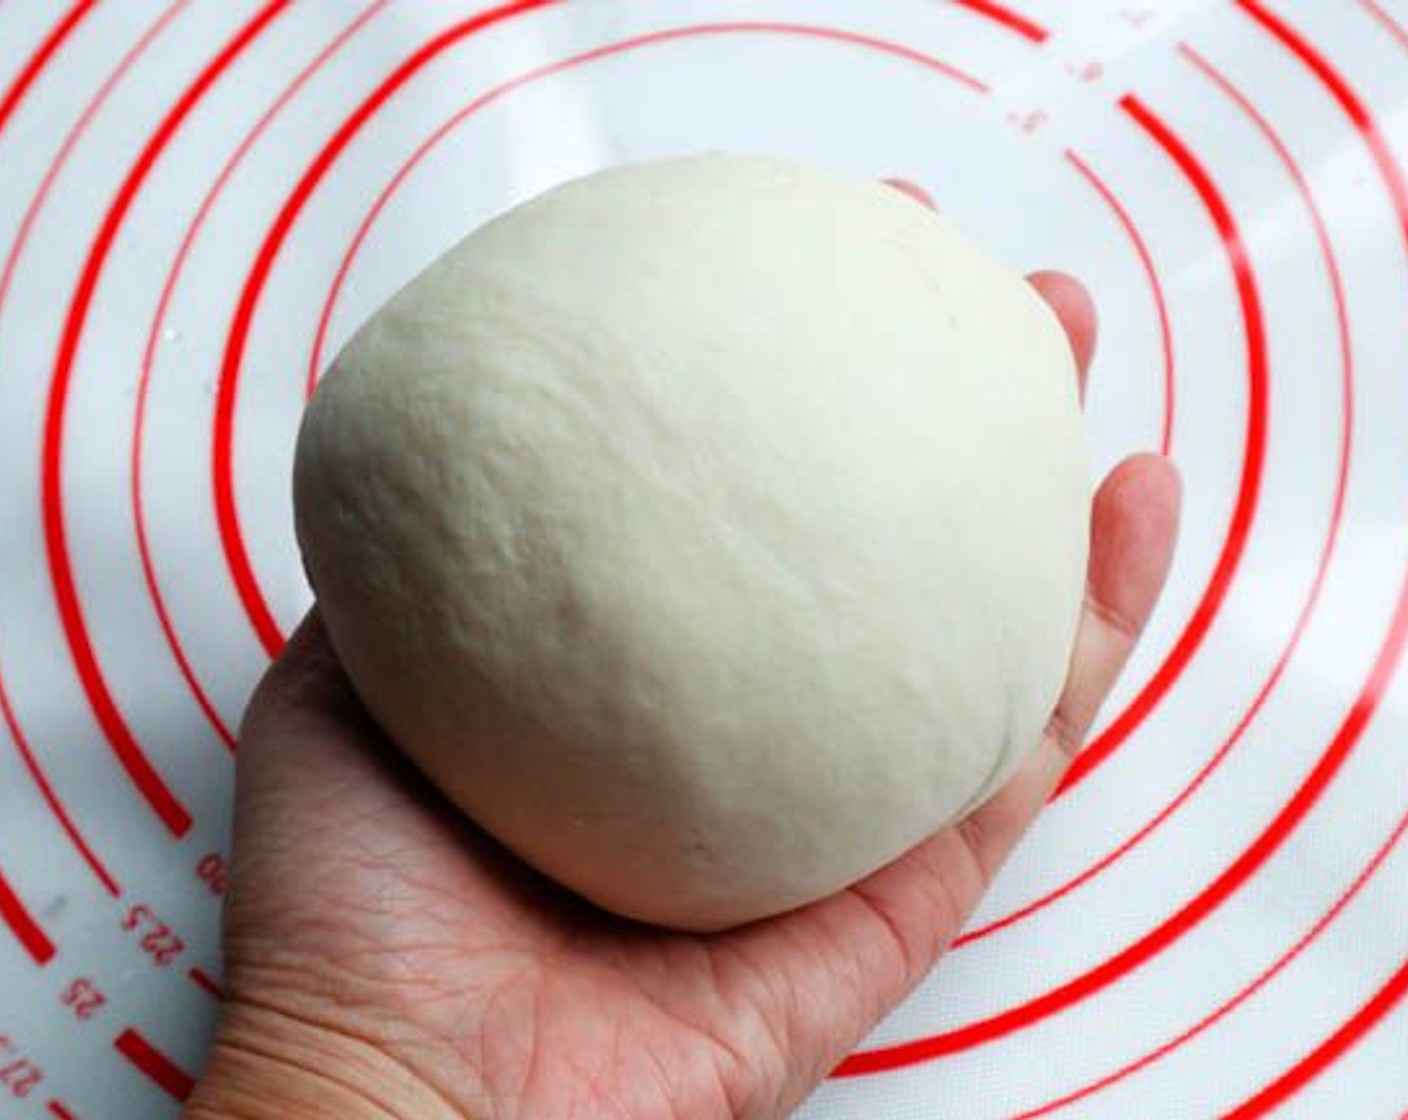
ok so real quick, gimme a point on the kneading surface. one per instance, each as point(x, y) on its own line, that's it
point(710, 530)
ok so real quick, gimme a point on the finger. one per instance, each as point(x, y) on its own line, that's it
point(1076, 310)
point(1134, 524)
point(306, 682)
point(303, 727)
point(914, 190)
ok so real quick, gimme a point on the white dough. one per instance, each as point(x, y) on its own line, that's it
point(711, 531)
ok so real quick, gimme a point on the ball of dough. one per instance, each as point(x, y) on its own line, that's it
point(710, 531)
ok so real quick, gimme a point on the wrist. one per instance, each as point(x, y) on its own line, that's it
point(264, 1063)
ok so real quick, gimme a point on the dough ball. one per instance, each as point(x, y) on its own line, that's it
point(710, 531)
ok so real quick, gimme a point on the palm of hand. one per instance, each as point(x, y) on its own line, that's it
point(362, 905)
point(379, 914)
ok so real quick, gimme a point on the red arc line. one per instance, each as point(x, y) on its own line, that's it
point(46, 790)
point(1392, 993)
point(1265, 977)
point(168, 626)
point(1328, 1052)
point(133, 1046)
point(1013, 21)
point(1348, 100)
point(1248, 491)
point(12, 258)
point(173, 814)
point(1156, 288)
point(29, 73)
point(1249, 488)
point(23, 925)
point(1400, 33)
point(70, 142)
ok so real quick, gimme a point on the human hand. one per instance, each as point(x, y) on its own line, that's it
point(384, 958)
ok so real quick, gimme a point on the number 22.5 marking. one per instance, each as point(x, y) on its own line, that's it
point(157, 939)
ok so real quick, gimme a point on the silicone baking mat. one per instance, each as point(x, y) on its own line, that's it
point(200, 200)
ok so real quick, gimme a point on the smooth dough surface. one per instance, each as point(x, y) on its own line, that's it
point(711, 531)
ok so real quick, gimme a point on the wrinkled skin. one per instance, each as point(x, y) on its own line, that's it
point(385, 958)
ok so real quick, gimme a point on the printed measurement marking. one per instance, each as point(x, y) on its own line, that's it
point(84, 998)
point(214, 871)
point(1031, 121)
point(157, 939)
point(19, 1076)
